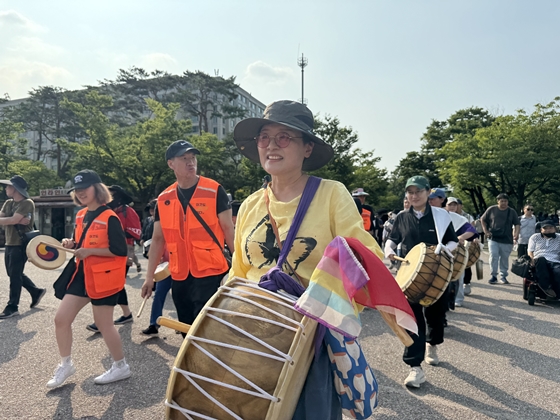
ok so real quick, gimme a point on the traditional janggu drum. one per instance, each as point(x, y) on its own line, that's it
point(460, 258)
point(245, 357)
point(45, 252)
point(474, 253)
point(425, 275)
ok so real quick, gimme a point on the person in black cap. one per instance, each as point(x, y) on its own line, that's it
point(17, 217)
point(132, 230)
point(100, 253)
point(193, 220)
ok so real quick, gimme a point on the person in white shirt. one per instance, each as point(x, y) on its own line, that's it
point(544, 250)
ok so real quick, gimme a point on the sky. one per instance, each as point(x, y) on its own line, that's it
point(385, 68)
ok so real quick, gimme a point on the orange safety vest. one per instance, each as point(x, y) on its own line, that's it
point(103, 276)
point(191, 248)
point(366, 217)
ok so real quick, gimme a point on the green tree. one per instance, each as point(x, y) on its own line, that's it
point(37, 175)
point(133, 157)
point(517, 154)
point(204, 97)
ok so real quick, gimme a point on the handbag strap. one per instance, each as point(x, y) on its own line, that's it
point(205, 226)
point(87, 227)
point(307, 197)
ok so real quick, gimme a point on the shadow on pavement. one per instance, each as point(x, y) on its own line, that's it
point(11, 337)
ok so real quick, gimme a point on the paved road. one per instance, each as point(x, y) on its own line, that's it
point(500, 360)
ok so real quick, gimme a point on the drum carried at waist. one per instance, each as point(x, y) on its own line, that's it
point(46, 252)
point(246, 356)
point(460, 259)
point(474, 250)
point(425, 275)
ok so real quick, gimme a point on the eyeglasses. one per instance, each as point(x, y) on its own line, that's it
point(281, 139)
point(530, 208)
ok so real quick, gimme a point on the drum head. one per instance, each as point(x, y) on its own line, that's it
point(407, 271)
point(45, 256)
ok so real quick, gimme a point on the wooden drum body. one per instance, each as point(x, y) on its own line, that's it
point(474, 253)
point(425, 275)
point(460, 259)
point(246, 356)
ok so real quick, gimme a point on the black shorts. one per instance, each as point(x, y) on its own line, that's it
point(78, 288)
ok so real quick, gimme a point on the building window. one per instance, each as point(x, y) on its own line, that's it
point(223, 130)
point(215, 130)
point(195, 129)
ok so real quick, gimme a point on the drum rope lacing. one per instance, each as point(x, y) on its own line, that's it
point(283, 357)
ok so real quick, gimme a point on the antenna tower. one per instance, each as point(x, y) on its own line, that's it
point(302, 62)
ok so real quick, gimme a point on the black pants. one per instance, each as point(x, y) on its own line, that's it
point(522, 250)
point(548, 273)
point(434, 319)
point(190, 295)
point(15, 259)
point(468, 276)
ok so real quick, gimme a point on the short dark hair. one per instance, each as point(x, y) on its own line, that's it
point(502, 196)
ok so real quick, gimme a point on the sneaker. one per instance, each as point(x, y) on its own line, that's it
point(61, 373)
point(92, 328)
point(8, 313)
point(503, 281)
point(493, 280)
point(123, 319)
point(114, 374)
point(151, 330)
point(458, 304)
point(467, 289)
point(37, 299)
point(138, 268)
point(431, 355)
point(549, 292)
point(415, 378)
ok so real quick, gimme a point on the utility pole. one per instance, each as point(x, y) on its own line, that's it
point(302, 62)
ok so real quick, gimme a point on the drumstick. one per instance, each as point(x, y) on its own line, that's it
point(58, 247)
point(399, 331)
point(400, 259)
point(173, 324)
point(142, 307)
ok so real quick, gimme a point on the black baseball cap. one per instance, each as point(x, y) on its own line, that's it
point(85, 179)
point(18, 183)
point(179, 148)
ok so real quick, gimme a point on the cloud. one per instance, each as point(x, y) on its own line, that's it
point(261, 72)
point(12, 20)
point(22, 74)
point(159, 61)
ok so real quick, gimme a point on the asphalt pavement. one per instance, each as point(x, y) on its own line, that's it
point(500, 360)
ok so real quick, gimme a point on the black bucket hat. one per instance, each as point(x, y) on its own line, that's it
point(18, 183)
point(120, 194)
point(293, 115)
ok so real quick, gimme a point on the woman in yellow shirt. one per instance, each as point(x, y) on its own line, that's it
point(283, 142)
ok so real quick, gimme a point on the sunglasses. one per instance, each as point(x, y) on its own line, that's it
point(530, 208)
point(282, 140)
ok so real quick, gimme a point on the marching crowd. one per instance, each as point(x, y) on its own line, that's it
point(195, 227)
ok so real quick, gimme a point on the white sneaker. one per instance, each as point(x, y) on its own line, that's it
point(458, 304)
point(415, 377)
point(114, 374)
point(467, 289)
point(61, 373)
point(431, 357)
